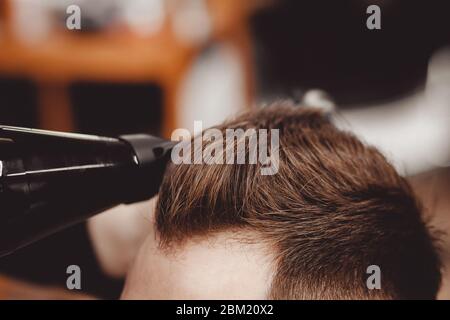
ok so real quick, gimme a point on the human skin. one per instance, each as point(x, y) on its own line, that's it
point(118, 233)
point(228, 265)
point(225, 265)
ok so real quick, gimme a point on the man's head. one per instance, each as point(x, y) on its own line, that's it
point(310, 231)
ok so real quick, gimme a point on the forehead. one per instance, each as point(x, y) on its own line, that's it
point(220, 266)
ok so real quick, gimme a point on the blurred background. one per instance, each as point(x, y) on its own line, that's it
point(156, 65)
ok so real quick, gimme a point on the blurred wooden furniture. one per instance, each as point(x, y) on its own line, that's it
point(67, 56)
point(14, 289)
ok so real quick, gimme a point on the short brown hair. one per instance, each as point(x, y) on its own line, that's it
point(335, 207)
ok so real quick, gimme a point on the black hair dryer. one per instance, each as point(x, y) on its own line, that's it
point(51, 180)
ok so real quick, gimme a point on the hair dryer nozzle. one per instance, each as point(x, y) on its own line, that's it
point(51, 180)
